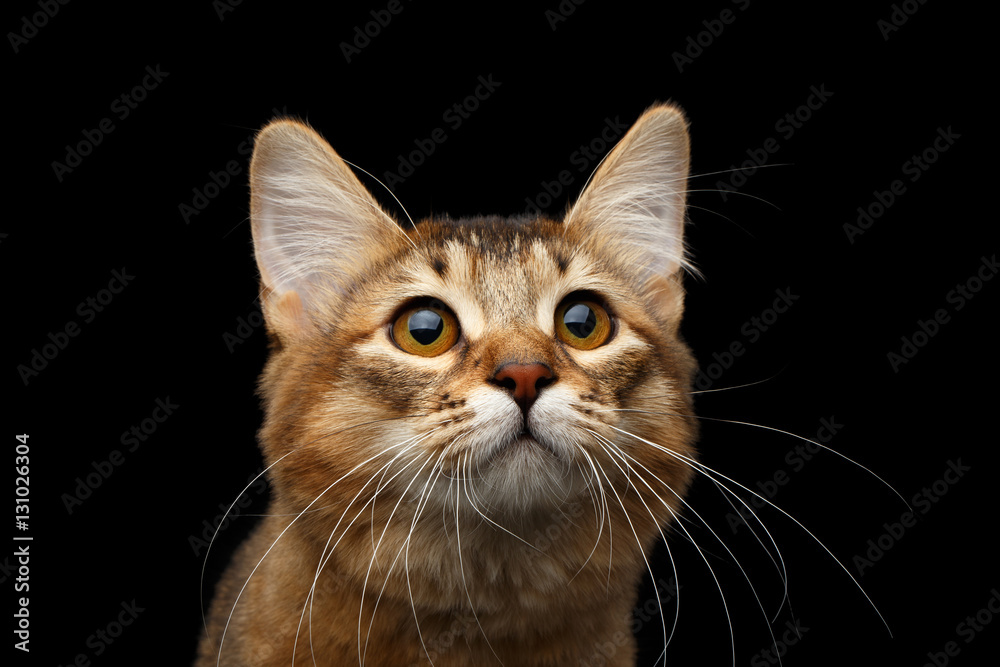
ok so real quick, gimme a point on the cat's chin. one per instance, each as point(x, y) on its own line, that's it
point(528, 473)
point(526, 445)
point(524, 452)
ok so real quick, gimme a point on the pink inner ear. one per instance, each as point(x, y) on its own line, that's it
point(286, 314)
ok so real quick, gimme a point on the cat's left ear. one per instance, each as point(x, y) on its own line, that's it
point(634, 204)
point(313, 224)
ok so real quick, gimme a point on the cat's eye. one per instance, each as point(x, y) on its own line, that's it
point(425, 329)
point(582, 323)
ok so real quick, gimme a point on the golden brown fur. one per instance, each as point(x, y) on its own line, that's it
point(410, 522)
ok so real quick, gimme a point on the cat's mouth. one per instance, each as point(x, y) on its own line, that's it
point(526, 439)
point(522, 447)
point(524, 471)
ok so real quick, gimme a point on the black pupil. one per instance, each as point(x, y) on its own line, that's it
point(425, 326)
point(580, 320)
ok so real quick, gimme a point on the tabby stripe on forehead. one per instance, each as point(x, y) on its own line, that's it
point(439, 266)
point(561, 262)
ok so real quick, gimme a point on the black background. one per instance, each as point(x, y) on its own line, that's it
point(164, 335)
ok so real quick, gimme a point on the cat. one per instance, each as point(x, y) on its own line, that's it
point(475, 430)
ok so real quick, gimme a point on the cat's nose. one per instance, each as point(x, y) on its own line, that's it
point(524, 381)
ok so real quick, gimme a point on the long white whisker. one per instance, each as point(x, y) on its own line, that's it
point(363, 653)
point(623, 453)
point(776, 430)
point(820, 445)
point(607, 512)
point(393, 195)
point(421, 504)
point(708, 472)
point(461, 563)
point(611, 455)
point(280, 535)
point(470, 496)
point(736, 386)
point(782, 571)
point(603, 511)
point(204, 563)
point(324, 557)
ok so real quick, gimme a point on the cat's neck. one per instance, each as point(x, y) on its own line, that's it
point(523, 586)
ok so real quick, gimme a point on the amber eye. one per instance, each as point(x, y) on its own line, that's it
point(425, 329)
point(583, 324)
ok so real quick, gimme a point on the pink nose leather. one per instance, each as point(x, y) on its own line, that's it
point(525, 380)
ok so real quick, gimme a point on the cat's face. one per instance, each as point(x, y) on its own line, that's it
point(501, 366)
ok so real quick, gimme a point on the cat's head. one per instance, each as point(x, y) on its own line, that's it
point(509, 364)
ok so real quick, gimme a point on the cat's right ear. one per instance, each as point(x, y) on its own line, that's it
point(312, 222)
point(635, 200)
